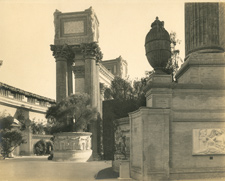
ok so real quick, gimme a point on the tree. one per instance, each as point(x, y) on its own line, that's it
point(10, 137)
point(72, 114)
point(120, 89)
point(173, 63)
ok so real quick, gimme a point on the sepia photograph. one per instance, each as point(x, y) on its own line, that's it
point(112, 90)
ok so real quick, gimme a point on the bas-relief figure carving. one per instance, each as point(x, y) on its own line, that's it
point(79, 143)
point(121, 144)
point(208, 141)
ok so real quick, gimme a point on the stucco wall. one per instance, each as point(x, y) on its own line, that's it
point(32, 115)
point(195, 109)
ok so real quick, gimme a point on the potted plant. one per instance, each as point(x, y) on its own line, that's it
point(70, 119)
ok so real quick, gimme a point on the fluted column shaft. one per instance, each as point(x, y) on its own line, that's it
point(61, 79)
point(91, 79)
point(92, 55)
point(202, 27)
point(98, 89)
point(70, 77)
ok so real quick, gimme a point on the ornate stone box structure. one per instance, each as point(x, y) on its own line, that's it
point(72, 146)
point(76, 27)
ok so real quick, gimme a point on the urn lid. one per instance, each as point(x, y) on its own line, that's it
point(157, 32)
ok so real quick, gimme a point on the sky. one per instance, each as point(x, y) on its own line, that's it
point(27, 31)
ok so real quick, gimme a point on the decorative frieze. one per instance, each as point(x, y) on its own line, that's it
point(72, 142)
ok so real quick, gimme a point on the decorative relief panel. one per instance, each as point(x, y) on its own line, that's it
point(73, 27)
point(208, 141)
point(72, 143)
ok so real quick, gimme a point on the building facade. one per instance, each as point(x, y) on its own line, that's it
point(16, 102)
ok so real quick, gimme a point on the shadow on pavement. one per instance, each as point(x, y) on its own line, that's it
point(106, 173)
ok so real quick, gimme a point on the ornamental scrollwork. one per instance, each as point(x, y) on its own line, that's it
point(62, 51)
point(91, 49)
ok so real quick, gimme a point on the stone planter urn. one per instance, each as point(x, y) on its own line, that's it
point(72, 146)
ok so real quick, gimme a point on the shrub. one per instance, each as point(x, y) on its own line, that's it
point(40, 147)
point(43, 147)
point(9, 138)
point(72, 114)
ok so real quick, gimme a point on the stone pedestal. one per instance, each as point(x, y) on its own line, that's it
point(72, 146)
point(122, 142)
point(149, 149)
point(150, 133)
point(159, 93)
point(124, 170)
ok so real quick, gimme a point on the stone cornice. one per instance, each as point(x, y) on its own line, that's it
point(201, 59)
point(122, 121)
point(25, 93)
point(62, 51)
point(175, 85)
point(20, 104)
point(105, 72)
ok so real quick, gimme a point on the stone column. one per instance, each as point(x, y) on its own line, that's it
point(102, 90)
point(91, 79)
point(98, 90)
point(61, 53)
point(92, 55)
point(70, 77)
point(202, 27)
point(61, 79)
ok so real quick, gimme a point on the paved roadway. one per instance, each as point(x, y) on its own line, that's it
point(38, 168)
point(41, 169)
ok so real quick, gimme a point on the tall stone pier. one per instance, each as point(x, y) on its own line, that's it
point(77, 54)
point(180, 134)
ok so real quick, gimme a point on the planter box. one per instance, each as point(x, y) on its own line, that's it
point(72, 146)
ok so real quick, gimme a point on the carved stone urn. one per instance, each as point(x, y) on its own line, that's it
point(157, 46)
point(72, 146)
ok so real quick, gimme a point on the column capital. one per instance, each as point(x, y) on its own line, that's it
point(91, 50)
point(62, 51)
